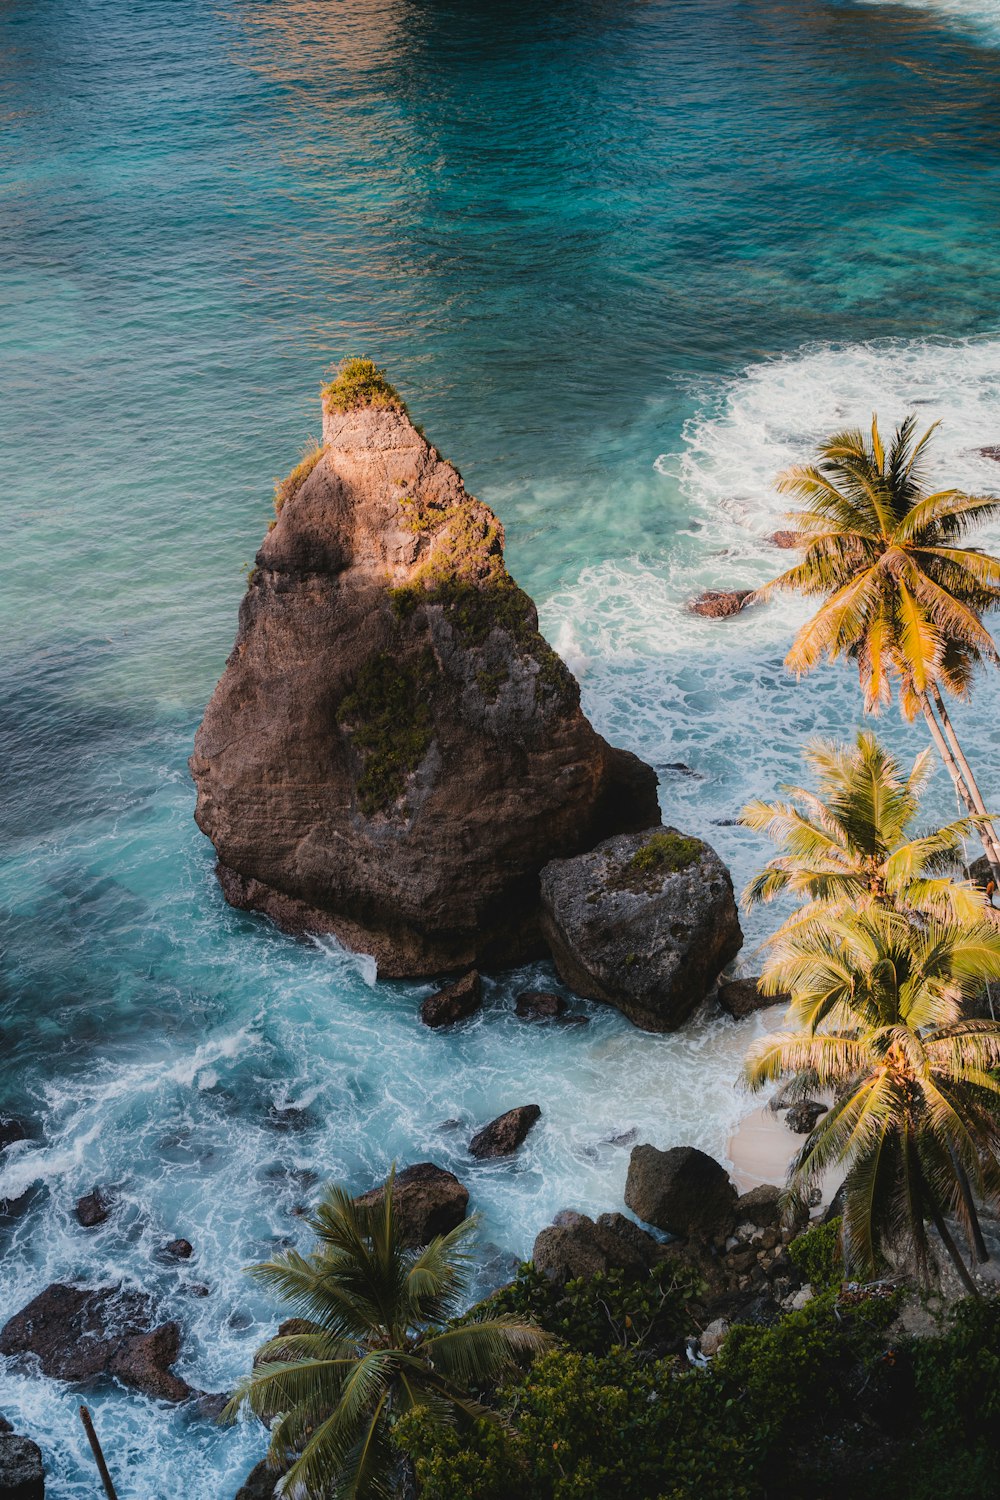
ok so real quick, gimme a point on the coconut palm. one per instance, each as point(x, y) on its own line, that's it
point(878, 1009)
point(374, 1342)
point(904, 596)
point(852, 840)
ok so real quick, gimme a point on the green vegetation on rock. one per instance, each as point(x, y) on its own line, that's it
point(285, 488)
point(662, 854)
point(388, 717)
point(360, 382)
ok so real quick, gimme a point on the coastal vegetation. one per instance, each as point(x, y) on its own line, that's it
point(360, 382)
point(904, 597)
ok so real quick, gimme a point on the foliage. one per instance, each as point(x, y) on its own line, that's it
point(903, 596)
point(606, 1311)
point(285, 488)
point(664, 854)
point(818, 1255)
point(388, 716)
point(852, 840)
point(916, 1118)
point(360, 382)
point(584, 1428)
point(374, 1343)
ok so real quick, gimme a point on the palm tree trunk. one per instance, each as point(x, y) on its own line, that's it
point(955, 772)
point(970, 781)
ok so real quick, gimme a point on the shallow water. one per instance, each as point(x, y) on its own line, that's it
point(625, 262)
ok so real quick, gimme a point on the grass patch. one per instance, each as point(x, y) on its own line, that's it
point(360, 382)
point(388, 718)
point(664, 854)
point(285, 488)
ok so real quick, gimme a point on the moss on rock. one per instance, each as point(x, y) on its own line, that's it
point(663, 854)
point(285, 488)
point(360, 382)
point(388, 718)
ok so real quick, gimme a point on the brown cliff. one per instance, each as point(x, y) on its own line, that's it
point(393, 751)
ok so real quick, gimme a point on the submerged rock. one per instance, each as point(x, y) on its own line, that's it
point(644, 922)
point(81, 1333)
point(394, 751)
point(719, 604)
point(681, 1190)
point(22, 1474)
point(461, 999)
point(503, 1135)
point(429, 1202)
point(93, 1209)
point(539, 1005)
point(787, 540)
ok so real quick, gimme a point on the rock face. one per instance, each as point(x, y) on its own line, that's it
point(22, 1476)
point(681, 1190)
point(503, 1135)
point(539, 1005)
point(429, 1202)
point(644, 922)
point(719, 604)
point(92, 1209)
point(458, 1000)
point(393, 751)
point(80, 1334)
point(575, 1246)
point(741, 997)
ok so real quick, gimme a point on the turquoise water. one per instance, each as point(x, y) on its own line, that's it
point(625, 261)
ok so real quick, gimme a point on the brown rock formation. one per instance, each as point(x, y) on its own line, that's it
point(393, 751)
point(429, 1201)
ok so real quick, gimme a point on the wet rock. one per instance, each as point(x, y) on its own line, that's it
point(80, 1334)
point(394, 751)
point(458, 1000)
point(211, 1405)
point(12, 1129)
point(429, 1202)
point(259, 1483)
point(5, 1426)
point(177, 1250)
point(741, 997)
point(576, 1246)
point(786, 539)
point(719, 604)
point(537, 1005)
point(992, 451)
point(503, 1135)
point(93, 1209)
point(802, 1117)
point(681, 1190)
point(644, 922)
point(22, 1475)
point(623, 1138)
point(761, 1206)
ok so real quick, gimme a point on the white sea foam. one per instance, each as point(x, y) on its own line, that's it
point(982, 17)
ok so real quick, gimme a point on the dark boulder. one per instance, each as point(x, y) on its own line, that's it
point(429, 1202)
point(719, 604)
point(177, 1250)
point(537, 1005)
point(503, 1135)
point(644, 922)
point(22, 1476)
point(12, 1129)
point(93, 1209)
point(681, 1190)
point(259, 1483)
point(741, 997)
point(761, 1206)
point(458, 1000)
point(802, 1117)
point(574, 1246)
point(81, 1334)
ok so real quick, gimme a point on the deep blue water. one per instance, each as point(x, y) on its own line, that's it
point(625, 260)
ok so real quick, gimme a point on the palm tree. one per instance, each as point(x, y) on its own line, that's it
point(904, 597)
point(851, 842)
point(375, 1343)
point(878, 1004)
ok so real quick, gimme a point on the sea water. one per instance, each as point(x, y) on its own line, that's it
point(625, 261)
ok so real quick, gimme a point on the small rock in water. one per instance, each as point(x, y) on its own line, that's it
point(719, 604)
point(93, 1209)
point(803, 1116)
point(458, 1000)
point(993, 451)
point(785, 539)
point(22, 1476)
point(741, 997)
point(680, 769)
point(539, 1005)
point(178, 1250)
point(429, 1201)
point(11, 1130)
point(626, 1138)
point(503, 1135)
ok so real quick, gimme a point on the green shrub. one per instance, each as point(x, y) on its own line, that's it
point(663, 854)
point(285, 488)
point(359, 382)
point(389, 721)
point(818, 1254)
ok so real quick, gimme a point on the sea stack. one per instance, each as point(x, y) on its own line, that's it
point(394, 751)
